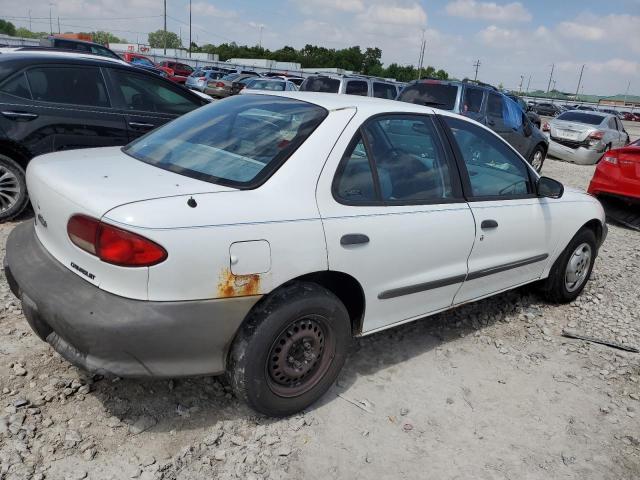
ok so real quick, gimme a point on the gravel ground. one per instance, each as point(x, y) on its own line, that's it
point(487, 391)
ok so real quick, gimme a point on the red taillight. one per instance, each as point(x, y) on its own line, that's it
point(219, 84)
point(201, 78)
point(113, 245)
point(597, 135)
point(546, 127)
point(611, 157)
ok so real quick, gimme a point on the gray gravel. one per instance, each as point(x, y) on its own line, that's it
point(489, 390)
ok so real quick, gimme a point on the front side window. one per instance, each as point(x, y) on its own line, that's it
point(357, 87)
point(70, 85)
point(472, 100)
point(494, 169)
point(17, 86)
point(150, 94)
point(407, 161)
point(239, 142)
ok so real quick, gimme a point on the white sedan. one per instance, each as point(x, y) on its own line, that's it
point(257, 235)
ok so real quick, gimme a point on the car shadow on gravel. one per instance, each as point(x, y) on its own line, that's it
point(196, 403)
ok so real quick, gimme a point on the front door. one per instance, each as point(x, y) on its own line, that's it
point(394, 217)
point(513, 226)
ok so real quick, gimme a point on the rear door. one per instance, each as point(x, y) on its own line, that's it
point(513, 235)
point(394, 217)
point(494, 115)
point(147, 101)
point(61, 107)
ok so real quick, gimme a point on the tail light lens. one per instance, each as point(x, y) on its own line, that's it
point(113, 245)
point(611, 157)
point(597, 135)
point(219, 84)
point(546, 127)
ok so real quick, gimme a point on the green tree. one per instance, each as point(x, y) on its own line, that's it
point(105, 38)
point(164, 39)
point(26, 33)
point(7, 28)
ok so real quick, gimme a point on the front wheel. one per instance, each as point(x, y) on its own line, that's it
point(537, 158)
point(572, 269)
point(13, 188)
point(290, 350)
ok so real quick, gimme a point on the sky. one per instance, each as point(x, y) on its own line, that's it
point(514, 41)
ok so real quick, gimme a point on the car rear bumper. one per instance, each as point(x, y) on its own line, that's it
point(102, 332)
point(580, 155)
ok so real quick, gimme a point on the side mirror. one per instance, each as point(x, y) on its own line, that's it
point(549, 188)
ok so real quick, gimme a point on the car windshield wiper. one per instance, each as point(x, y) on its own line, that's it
point(433, 104)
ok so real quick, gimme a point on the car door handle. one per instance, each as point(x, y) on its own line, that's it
point(141, 125)
point(489, 224)
point(354, 239)
point(20, 115)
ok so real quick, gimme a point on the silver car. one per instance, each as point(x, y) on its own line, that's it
point(199, 79)
point(583, 136)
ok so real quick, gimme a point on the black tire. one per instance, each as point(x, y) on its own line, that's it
point(13, 188)
point(255, 361)
point(555, 287)
point(535, 162)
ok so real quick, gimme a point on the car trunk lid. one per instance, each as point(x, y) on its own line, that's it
point(629, 161)
point(91, 182)
point(571, 131)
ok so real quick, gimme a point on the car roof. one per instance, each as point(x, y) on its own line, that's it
point(55, 56)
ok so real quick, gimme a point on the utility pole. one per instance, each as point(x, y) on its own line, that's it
point(554, 89)
point(520, 87)
point(423, 47)
point(50, 21)
point(579, 81)
point(627, 93)
point(164, 32)
point(189, 28)
point(261, 26)
point(550, 77)
point(58, 24)
point(29, 19)
point(529, 83)
point(477, 65)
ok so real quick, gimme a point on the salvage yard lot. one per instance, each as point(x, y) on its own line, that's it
point(490, 390)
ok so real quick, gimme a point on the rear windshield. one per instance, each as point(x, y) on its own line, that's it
point(266, 85)
point(588, 118)
point(237, 142)
point(431, 94)
point(320, 84)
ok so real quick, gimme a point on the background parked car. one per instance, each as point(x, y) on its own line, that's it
point(199, 79)
point(618, 174)
point(78, 45)
point(486, 105)
point(145, 63)
point(533, 116)
point(273, 84)
point(224, 87)
point(180, 70)
point(582, 136)
point(56, 101)
point(546, 109)
point(350, 85)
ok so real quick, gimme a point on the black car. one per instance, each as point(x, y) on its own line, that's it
point(547, 109)
point(526, 108)
point(51, 102)
point(79, 46)
point(485, 104)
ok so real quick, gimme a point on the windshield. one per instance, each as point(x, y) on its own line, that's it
point(320, 84)
point(431, 94)
point(237, 142)
point(588, 118)
point(272, 85)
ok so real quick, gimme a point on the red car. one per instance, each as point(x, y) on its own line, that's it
point(181, 70)
point(145, 62)
point(618, 173)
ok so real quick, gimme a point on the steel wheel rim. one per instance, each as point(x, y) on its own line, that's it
point(9, 189)
point(537, 160)
point(578, 267)
point(300, 356)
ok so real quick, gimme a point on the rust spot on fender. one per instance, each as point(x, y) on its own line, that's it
point(231, 285)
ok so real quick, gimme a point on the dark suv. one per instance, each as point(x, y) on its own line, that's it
point(547, 109)
point(486, 105)
point(53, 101)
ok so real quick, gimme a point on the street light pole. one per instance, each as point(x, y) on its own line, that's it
point(579, 81)
point(477, 65)
point(520, 87)
point(189, 28)
point(164, 32)
point(550, 77)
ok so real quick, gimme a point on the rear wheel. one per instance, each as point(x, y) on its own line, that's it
point(290, 350)
point(537, 158)
point(13, 188)
point(572, 269)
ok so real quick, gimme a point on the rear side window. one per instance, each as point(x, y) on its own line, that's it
point(494, 105)
point(17, 86)
point(320, 84)
point(512, 114)
point(357, 87)
point(399, 159)
point(472, 100)
point(150, 94)
point(430, 93)
point(70, 85)
point(239, 142)
point(384, 90)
